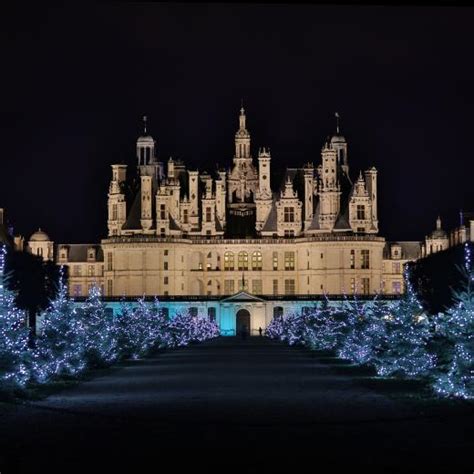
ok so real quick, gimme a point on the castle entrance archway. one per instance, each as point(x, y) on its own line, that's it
point(242, 322)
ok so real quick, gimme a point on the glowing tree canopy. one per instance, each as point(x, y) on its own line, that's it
point(15, 358)
point(62, 339)
point(403, 351)
point(455, 371)
point(100, 335)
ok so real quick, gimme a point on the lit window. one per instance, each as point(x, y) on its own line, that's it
point(352, 259)
point(289, 260)
point(90, 270)
point(396, 287)
point(257, 260)
point(275, 260)
point(243, 261)
point(228, 261)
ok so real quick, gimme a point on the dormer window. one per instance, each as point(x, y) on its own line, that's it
point(289, 214)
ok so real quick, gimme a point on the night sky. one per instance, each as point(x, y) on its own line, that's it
point(76, 81)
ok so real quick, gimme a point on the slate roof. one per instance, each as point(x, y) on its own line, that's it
point(411, 250)
point(78, 252)
point(133, 218)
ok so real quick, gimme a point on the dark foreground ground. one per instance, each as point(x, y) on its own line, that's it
point(255, 405)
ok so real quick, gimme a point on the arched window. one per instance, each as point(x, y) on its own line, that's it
point(193, 311)
point(243, 261)
point(165, 312)
point(277, 312)
point(228, 261)
point(257, 260)
point(305, 310)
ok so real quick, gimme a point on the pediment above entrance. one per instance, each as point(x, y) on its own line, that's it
point(242, 296)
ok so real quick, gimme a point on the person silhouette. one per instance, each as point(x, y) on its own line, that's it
point(260, 331)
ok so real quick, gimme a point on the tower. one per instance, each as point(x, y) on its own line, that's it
point(339, 144)
point(329, 189)
point(371, 184)
point(117, 207)
point(242, 138)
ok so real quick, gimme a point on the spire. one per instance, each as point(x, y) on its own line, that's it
point(336, 114)
point(242, 116)
point(144, 124)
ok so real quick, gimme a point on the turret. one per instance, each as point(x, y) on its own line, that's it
point(264, 160)
point(117, 207)
point(242, 138)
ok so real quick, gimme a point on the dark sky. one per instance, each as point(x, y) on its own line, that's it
point(76, 81)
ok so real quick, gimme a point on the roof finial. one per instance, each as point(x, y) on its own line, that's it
point(337, 121)
point(242, 110)
point(438, 222)
point(144, 124)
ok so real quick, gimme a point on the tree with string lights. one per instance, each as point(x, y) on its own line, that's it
point(454, 376)
point(323, 328)
point(15, 357)
point(62, 339)
point(100, 335)
point(403, 350)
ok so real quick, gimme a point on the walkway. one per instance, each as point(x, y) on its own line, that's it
point(256, 402)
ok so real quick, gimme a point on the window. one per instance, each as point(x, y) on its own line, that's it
point(257, 260)
point(77, 270)
point(275, 260)
point(289, 233)
point(166, 293)
point(396, 287)
point(289, 287)
point(353, 285)
point(165, 253)
point(114, 212)
point(211, 314)
point(360, 212)
point(275, 287)
point(185, 216)
point(365, 286)
point(243, 261)
point(360, 229)
point(289, 214)
point(109, 287)
point(90, 270)
point(109, 261)
point(162, 232)
point(364, 259)
point(305, 310)
point(193, 311)
point(289, 260)
point(277, 312)
point(165, 312)
point(165, 265)
point(229, 288)
point(352, 259)
point(208, 214)
point(396, 267)
point(228, 261)
point(77, 290)
point(165, 280)
point(257, 287)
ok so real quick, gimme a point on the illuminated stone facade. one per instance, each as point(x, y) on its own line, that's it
point(175, 232)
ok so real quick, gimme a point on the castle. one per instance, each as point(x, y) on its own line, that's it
point(236, 237)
